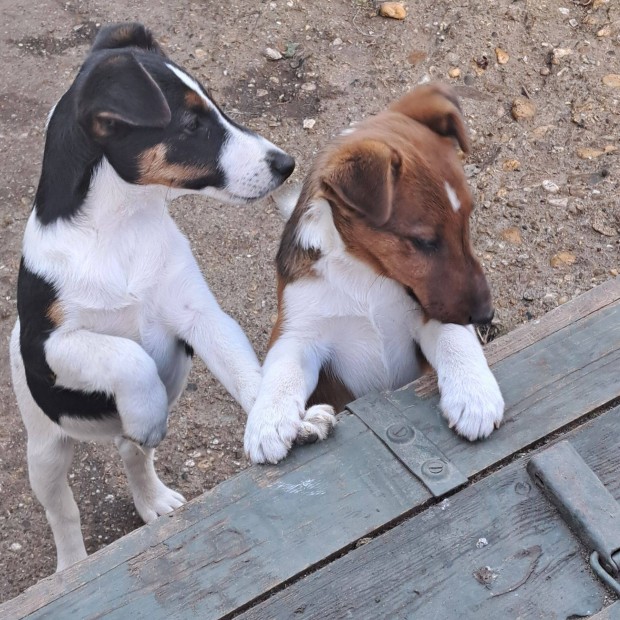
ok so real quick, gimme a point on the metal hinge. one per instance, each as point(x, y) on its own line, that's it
point(408, 444)
point(588, 508)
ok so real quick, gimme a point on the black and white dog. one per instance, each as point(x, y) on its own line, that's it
point(111, 302)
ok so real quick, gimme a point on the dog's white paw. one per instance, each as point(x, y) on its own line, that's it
point(157, 501)
point(270, 435)
point(472, 403)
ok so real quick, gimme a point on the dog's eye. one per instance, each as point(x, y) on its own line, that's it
point(425, 245)
point(191, 124)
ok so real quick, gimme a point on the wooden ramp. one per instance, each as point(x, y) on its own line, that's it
point(393, 516)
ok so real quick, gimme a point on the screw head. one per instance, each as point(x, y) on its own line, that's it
point(433, 467)
point(400, 432)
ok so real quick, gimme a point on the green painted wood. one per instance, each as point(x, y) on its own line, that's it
point(436, 565)
point(259, 528)
point(546, 386)
point(609, 613)
point(268, 525)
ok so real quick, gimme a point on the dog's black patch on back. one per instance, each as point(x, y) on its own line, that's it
point(34, 297)
point(189, 350)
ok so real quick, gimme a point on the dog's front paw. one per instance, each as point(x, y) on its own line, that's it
point(270, 435)
point(156, 501)
point(473, 404)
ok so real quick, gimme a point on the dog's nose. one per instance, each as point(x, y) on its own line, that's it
point(482, 316)
point(280, 163)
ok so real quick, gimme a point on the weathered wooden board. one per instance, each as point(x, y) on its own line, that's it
point(609, 613)
point(523, 336)
point(436, 565)
point(267, 525)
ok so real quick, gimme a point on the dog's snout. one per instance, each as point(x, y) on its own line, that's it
point(482, 316)
point(280, 163)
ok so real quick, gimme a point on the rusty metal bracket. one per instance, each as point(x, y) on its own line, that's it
point(408, 444)
point(588, 508)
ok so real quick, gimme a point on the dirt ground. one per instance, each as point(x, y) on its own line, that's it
point(546, 184)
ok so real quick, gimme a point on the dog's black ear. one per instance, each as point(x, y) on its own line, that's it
point(437, 107)
point(119, 90)
point(129, 34)
point(363, 175)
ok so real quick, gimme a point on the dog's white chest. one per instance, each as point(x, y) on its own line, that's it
point(368, 320)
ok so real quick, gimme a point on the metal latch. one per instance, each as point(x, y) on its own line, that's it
point(408, 444)
point(588, 508)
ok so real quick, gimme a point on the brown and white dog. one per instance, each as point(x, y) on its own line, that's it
point(375, 261)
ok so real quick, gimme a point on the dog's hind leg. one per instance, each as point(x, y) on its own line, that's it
point(151, 496)
point(50, 452)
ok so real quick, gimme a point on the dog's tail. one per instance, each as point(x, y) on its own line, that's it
point(286, 198)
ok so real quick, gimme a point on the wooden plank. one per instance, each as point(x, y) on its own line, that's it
point(525, 335)
point(266, 526)
point(609, 613)
point(546, 386)
point(246, 537)
point(496, 549)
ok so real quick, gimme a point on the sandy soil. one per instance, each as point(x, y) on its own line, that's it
point(546, 186)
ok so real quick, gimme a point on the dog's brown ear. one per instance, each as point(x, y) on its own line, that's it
point(362, 175)
point(437, 107)
point(119, 90)
point(129, 34)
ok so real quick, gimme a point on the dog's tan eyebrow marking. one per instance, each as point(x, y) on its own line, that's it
point(155, 169)
point(194, 101)
point(193, 86)
point(454, 200)
point(55, 313)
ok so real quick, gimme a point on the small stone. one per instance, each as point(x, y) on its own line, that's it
point(529, 295)
point(272, 54)
point(545, 71)
point(564, 10)
point(600, 225)
point(559, 53)
point(395, 10)
point(512, 235)
point(454, 72)
point(613, 272)
point(199, 52)
point(261, 92)
point(337, 41)
point(190, 463)
point(308, 86)
point(558, 202)
point(15, 547)
point(550, 186)
point(501, 55)
point(612, 80)
point(605, 31)
point(510, 165)
point(309, 123)
point(588, 153)
point(522, 109)
point(542, 131)
point(471, 170)
point(482, 542)
point(562, 258)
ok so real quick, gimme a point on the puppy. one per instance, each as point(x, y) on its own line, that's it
point(375, 261)
point(111, 302)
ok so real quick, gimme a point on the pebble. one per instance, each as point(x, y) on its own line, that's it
point(558, 53)
point(308, 86)
point(545, 71)
point(337, 41)
point(454, 72)
point(512, 235)
point(199, 52)
point(482, 542)
point(522, 109)
point(510, 165)
point(562, 258)
point(272, 54)
point(471, 170)
point(529, 295)
point(550, 186)
point(395, 10)
point(612, 80)
point(261, 92)
point(588, 153)
point(605, 31)
point(558, 202)
point(15, 547)
point(309, 123)
point(501, 55)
